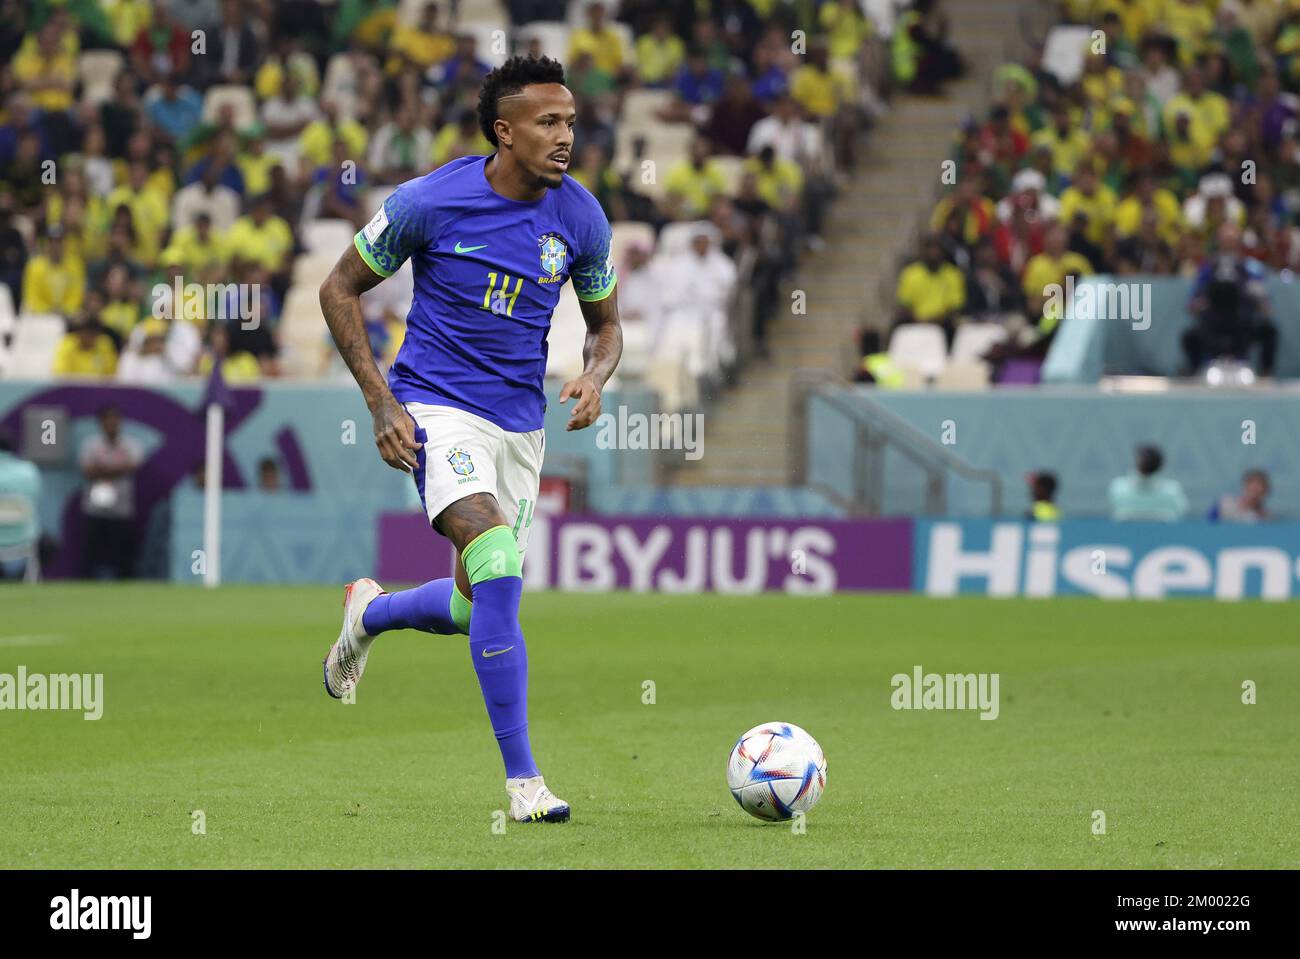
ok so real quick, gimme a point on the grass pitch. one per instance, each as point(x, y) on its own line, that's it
point(213, 702)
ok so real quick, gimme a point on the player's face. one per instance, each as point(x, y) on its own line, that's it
point(541, 131)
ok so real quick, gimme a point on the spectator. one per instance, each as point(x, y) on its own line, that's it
point(20, 490)
point(109, 462)
point(733, 116)
point(285, 116)
point(930, 290)
point(85, 351)
point(54, 281)
point(599, 39)
point(691, 185)
point(1231, 308)
point(659, 53)
point(261, 237)
point(174, 108)
point(1248, 505)
point(1045, 278)
point(694, 323)
point(991, 289)
point(400, 150)
point(144, 360)
point(235, 51)
point(1142, 495)
point(268, 475)
point(1042, 494)
point(13, 251)
point(206, 197)
point(161, 48)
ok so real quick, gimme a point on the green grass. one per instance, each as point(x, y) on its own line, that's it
point(213, 702)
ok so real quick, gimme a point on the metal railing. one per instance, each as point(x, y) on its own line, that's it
point(876, 431)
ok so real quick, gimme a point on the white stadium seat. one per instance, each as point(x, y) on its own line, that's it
point(640, 108)
point(98, 70)
point(920, 347)
point(973, 340)
point(554, 37)
point(567, 336)
point(627, 232)
point(35, 341)
point(487, 36)
point(963, 375)
point(240, 98)
point(324, 236)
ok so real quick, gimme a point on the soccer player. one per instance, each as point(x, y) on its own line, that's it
point(491, 241)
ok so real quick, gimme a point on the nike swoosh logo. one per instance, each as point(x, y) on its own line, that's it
point(497, 652)
point(468, 249)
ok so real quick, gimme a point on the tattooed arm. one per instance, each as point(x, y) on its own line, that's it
point(600, 352)
point(340, 301)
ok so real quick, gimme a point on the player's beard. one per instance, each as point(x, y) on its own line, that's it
point(552, 181)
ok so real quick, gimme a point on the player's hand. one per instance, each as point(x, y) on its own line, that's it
point(395, 436)
point(587, 392)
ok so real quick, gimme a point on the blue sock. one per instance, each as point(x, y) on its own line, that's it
point(503, 672)
point(426, 607)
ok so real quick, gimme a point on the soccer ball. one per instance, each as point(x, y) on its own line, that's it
point(776, 770)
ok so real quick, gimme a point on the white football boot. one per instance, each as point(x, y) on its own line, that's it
point(531, 801)
point(347, 658)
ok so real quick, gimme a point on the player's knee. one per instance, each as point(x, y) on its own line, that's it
point(492, 555)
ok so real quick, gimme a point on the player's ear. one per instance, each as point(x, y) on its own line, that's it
point(502, 129)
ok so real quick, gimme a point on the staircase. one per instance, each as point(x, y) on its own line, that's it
point(877, 217)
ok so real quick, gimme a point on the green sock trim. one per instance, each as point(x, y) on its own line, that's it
point(492, 555)
point(460, 609)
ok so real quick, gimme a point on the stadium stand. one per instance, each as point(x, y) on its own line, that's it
point(1150, 143)
point(244, 141)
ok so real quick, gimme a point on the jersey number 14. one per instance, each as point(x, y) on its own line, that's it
point(501, 300)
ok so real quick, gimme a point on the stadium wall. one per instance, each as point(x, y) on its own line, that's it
point(1084, 436)
point(1105, 340)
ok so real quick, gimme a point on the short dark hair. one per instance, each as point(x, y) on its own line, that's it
point(1044, 486)
point(1149, 460)
point(511, 78)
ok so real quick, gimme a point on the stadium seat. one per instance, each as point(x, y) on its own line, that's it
point(963, 375)
point(237, 96)
point(920, 347)
point(554, 37)
point(663, 143)
point(303, 334)
point(973, 340)
point(627, 232)
point(376, 196)
point(675, 238)
point(7, 316)
point(567, 335)
point(1064, 52)
point(481, 11)
point(325, 236)
point(310, 269)
point(640, 107)
point(340, 84)
point(485, 34)
point(97, 70)
point(35, 341)
point(409, 12)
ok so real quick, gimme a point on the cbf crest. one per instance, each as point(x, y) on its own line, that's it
point(554, 251)
point(461, 462)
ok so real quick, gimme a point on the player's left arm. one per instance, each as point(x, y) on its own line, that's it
point(594, 282)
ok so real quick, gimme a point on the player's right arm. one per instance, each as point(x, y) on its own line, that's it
point(340, 301)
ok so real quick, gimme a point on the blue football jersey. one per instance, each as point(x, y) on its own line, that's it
point(488, 272)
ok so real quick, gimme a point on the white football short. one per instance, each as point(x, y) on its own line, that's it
point(464, 454)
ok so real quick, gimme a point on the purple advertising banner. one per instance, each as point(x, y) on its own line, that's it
point(694, 555)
